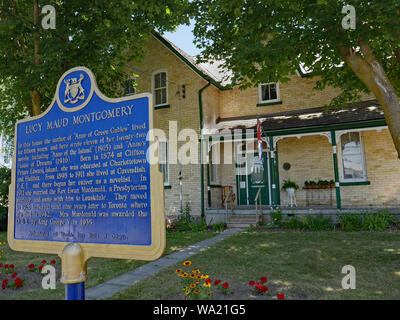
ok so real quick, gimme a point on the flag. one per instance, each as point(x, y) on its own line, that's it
point(259, 140)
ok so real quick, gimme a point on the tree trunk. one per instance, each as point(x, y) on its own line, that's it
point(35, 97)
point(371, 73)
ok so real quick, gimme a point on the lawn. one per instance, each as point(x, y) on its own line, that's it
point(302, 265)
point(99, 270)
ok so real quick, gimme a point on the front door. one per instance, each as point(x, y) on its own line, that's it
point(247, 191)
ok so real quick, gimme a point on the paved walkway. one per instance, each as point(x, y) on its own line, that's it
point(111, 287)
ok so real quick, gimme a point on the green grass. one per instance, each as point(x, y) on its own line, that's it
point(305, 265)
point(99, 269)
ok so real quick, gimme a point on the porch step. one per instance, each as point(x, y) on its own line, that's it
point(241, 221)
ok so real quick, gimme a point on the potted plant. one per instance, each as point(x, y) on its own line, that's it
point(332, 183)
point(313, 184)
point(288, 184)
point(307, 185)
point(320, 184)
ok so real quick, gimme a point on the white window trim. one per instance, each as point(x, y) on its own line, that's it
point(340, 160)
point(153, 86)
point(278, 94)
point(167, 180)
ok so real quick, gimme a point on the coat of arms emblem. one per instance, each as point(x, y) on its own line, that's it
point(74, 90)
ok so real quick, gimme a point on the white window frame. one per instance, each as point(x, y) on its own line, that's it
point(164, 161)
point(340, 159)
point(278, 96)
point(153, 89)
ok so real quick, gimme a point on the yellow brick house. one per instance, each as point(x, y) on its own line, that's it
point(349, 152)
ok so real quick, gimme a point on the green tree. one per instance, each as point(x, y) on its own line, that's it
point(265, 41)
point(100, 34)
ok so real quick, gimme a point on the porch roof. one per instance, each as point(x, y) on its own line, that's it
point(306, 118)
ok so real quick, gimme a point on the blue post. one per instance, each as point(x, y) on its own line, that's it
point(75, 291)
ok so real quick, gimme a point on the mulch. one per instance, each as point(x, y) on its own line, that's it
point(31, 280)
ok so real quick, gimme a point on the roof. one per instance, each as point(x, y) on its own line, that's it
point(211, 71)
point(305, 118)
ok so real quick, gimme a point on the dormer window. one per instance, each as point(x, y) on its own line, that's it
point(268, 92)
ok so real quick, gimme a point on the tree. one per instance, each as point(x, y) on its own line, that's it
point(263, 41)
point(100, 34)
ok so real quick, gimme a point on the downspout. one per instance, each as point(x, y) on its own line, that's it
point(201, 148)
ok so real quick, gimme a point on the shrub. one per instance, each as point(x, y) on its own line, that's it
point(350, 221)
point(377, 221)
point(276, 217)
point(318, 223)
point(293, 223)
point(219, 227)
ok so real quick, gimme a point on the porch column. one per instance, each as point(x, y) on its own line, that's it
point(335, 167)
point(273, 163)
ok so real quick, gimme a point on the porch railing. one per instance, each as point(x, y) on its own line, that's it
point(257, 201)
point(230, 196)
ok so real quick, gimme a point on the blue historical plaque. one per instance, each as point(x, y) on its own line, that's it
point(81, 174)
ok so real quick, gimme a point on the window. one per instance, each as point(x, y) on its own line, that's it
point(163, 159)
point(213, 173)
point(213, 165)
point(352, 160)
point(129, 86)
point(160, 88)
point(268, 92)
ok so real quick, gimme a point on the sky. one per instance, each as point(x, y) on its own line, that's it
point(183, 38)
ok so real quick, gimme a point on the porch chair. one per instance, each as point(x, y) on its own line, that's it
point(225, 191)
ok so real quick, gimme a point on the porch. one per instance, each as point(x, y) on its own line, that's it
point(350, 148)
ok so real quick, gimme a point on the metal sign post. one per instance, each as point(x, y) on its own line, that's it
point(83, 182)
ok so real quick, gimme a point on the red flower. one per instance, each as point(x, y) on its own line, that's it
point(264, 279)
point(11, 266)
point(40, 268)
point(18, 282)
point(264, 289)
point(217, 282)
point(208, 281)
point(3, 286)
point(53, 261)
point(225, 285)
point(14, 275)
point(280, 296)
point(6, 266)
point(5, 281)
point(31, 266)
point(251, 283)
point(1, 264)
point(44, 261)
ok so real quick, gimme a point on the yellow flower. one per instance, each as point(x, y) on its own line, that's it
point(187, 292)
point(197, 282)
point(207, 285)
point(192, 285)
point(184, 288)
point(192, 275)
point(197, 271)
point(178, 270)
point(196, 291)
point(205, 276)
point(187, 263)
point(184, 275)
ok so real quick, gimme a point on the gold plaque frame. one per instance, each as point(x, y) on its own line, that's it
point(137, 252)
